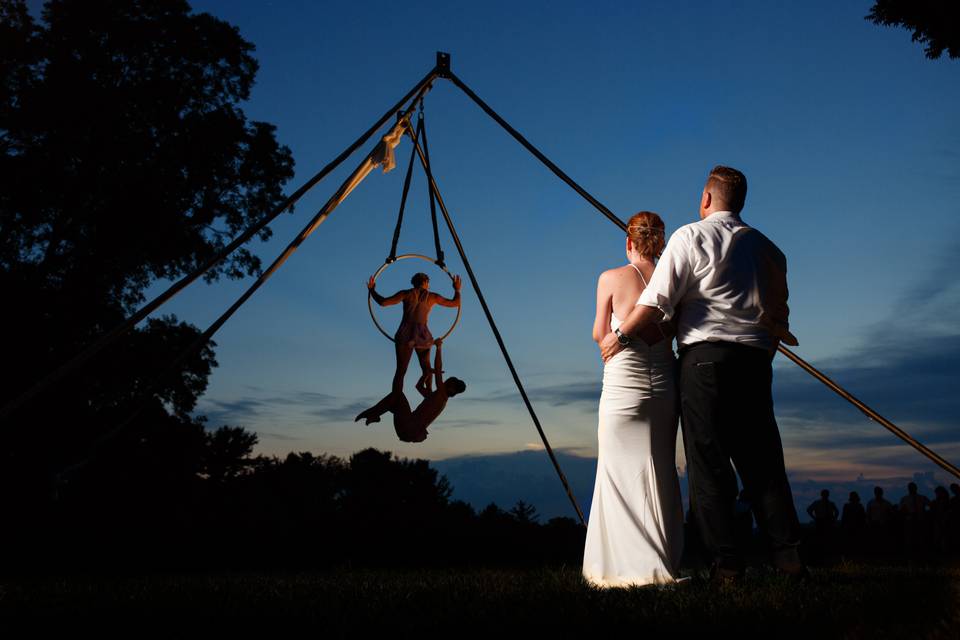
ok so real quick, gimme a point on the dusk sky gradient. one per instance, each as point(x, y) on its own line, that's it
point(848, 137)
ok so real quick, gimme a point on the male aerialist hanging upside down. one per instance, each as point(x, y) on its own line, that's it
point(411, 426)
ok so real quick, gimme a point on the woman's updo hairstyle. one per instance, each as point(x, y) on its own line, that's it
point(646, 233)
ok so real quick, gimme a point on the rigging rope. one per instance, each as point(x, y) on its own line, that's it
point(403, 203)
point(425, 162)
point(421, 134)
point(422, 129)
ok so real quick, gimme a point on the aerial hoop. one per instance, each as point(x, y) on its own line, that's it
point(383, 268)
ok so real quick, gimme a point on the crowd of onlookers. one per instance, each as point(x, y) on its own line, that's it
point(918, 527)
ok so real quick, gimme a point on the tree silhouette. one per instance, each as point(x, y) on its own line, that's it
point(227, 453)
point(935, 23)
point(392, 505)
point(524, 513)
point(126, 158)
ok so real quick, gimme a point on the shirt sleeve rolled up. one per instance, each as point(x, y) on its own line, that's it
point(669, 280)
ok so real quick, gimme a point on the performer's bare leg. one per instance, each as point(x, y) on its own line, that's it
point(425, 383)
point(373, 413)
point(403, 361)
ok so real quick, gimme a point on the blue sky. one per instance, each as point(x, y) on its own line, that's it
point(847, 134)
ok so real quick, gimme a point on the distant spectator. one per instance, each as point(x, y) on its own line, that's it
point(880, 518)
point(853, 522)
point(823, 512)
point(939, 516)
point(879, 510)
point(913, 510)
point(854, 516)
point(914, 505)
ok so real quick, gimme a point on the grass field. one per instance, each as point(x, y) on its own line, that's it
point(846, 601)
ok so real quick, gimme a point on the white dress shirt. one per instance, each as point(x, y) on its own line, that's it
point(725, 280)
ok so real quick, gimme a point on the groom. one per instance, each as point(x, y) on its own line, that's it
point(726, 283)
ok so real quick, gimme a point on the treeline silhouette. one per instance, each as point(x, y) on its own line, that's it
point(223, 511)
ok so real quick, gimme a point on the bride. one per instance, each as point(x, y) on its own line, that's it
point(635, 530)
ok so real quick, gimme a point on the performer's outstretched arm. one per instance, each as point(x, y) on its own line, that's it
point(449, 302)
point(379, 299)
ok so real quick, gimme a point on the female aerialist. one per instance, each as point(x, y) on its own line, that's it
point(413, 333)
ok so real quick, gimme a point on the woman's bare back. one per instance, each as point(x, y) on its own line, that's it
point(417, 304)
point(625, 287)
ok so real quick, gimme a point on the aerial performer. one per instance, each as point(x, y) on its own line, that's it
point(413, 334)
point(411, 426)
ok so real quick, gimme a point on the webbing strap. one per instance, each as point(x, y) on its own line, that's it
point(496, 332)
point(422, 134)
point(403, 203)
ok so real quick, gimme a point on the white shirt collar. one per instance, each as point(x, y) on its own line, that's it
point(726, 218)
point(722, 215)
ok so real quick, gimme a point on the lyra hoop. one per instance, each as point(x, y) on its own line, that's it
point(384, 268)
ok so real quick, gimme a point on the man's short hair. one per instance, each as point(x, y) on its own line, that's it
point(729, 186)
point(456, 385)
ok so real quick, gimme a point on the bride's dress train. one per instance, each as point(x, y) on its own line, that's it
point(635, 529)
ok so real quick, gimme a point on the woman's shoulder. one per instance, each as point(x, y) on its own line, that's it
point(614, 273)
point(608, 280)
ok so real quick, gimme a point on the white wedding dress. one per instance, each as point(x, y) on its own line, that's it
point(635, 529)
